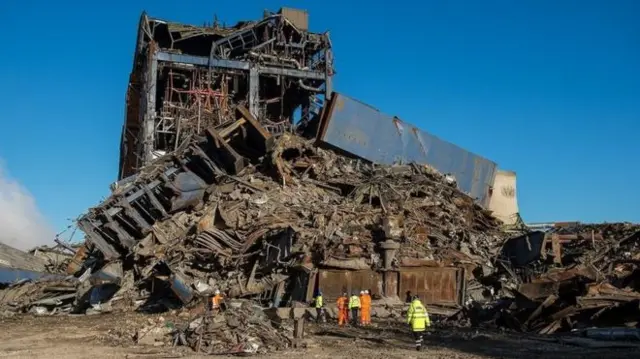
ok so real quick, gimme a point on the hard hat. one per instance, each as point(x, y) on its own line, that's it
point(366, 291)
point(217, 291)
point(362, 292)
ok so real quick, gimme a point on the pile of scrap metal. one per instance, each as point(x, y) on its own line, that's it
point(44, 296)
point(56, 258)
point(205, 217)
point(18, 270)
point(242, 329)
point(572, 277)
point(186, 225)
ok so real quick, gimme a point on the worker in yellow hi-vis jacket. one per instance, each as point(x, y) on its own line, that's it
point(418, 317)
point(354, 306)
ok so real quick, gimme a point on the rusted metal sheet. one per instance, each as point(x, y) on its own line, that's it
point(442, 286)
point(79, 257)
point(364, 131)
point(562, 274)
point(535, 291)
point(311, 285)
point(391, 284)
point(333, 282)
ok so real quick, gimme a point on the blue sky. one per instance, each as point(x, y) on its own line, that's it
point(549, 89)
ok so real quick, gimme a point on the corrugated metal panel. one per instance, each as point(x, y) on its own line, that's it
point(434, 285)
point(333, 282)
point(362, 130)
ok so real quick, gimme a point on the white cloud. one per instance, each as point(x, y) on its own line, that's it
point(21, 224)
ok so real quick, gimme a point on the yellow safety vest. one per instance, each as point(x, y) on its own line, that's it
point(319, 301)
point(418, 316)
point(354, 302)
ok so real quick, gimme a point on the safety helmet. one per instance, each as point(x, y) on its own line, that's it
point(217, 291)
point(415, 297)
point(361, 292)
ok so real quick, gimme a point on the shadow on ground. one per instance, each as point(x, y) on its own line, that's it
point(485, 344)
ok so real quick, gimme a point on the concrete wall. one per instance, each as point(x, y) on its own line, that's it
point(504, 199)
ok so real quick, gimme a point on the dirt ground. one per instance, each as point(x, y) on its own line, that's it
point(93, 337)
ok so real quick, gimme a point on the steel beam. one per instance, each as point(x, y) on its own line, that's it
point(254, 91)
point(149, 125)
point(303, 74)
point(202, 61)
point(238, 65)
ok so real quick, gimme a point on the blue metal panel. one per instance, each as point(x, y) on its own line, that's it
point(10, 275)
point(180, 288)
point(362, 130)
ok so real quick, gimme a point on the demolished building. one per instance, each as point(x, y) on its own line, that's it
point(211, 135)
point(222, 186)
point(188, 78)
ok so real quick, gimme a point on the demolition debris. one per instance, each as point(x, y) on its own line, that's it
point(571, 278)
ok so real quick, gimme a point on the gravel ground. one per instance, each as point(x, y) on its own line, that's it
point(94, 337)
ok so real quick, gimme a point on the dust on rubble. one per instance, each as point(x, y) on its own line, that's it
point(75, 337)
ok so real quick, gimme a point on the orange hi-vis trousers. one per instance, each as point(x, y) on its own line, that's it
point(343, 311)
point(365, 311)
point(343, 316)
point(365, 315)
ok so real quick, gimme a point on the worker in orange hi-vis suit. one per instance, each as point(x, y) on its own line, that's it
point(365, 311)
point(363, 308)
point(368, 294)
point(343, 309)
point(216, 302)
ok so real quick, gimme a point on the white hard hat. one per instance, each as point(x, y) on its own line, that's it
point(217, 291)
point(366, 291)
point(362, 292)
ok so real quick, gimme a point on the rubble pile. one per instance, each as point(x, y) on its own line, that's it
point(255, 234)
point(56, 258)
point(40, 297)
point(221, 189)
point(299, 208)
point(570, 278)
point(245, 328)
